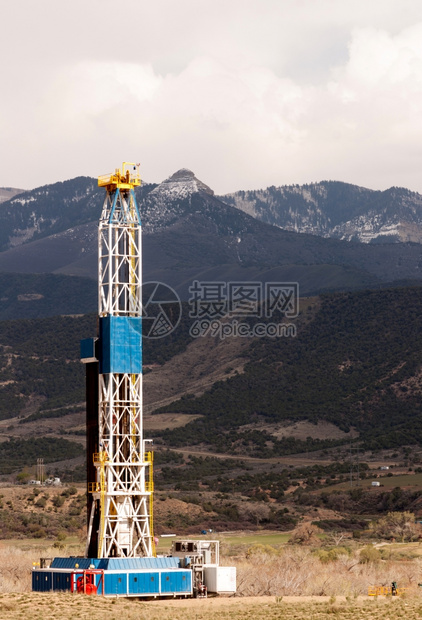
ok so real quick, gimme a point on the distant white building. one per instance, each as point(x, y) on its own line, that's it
point(375, 483)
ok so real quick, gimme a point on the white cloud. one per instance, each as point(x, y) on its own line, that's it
point(245, 93)
point(88, 89)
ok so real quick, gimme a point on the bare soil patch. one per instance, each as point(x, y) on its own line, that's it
point(302, 430)
point(298, 460)
point(44, 427)
point(161, 421)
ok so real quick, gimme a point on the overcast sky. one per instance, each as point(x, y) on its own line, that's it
point(246, 93)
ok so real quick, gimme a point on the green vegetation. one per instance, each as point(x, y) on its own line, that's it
point(388, 482)
point(358, 501)
point(186, 476)
point(162, 349)
point(273, 484)
point(44, 295)
point(40, 516)
point(19, 453)
point(41, 358)
point(51, 413)
point(274, 539)
point(354, 363)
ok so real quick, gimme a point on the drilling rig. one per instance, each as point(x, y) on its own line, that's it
point(120, 556)
point(120, 496)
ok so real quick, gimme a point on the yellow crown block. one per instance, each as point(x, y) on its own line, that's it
point(126, 177)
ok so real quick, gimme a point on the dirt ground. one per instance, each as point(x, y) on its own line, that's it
point(303, 429)
point(75, 606)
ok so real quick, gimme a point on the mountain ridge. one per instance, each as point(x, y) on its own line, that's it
point(338, 210)
point(191, 234)
point(327, 208)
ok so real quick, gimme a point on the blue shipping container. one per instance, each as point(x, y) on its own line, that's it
point(41, 581)
point(178, 582)
point(144, 583)
point(141, 582)
point(115, 583)
point(61, 581)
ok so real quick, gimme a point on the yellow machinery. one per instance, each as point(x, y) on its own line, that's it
point(392, 590)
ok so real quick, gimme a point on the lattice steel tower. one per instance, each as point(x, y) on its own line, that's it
point(120, 498)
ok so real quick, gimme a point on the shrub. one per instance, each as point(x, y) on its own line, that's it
point(331, 555)
point(58, 501)
point(400, 525)
point(259, 549)
point(369, 554)
point(70, 491)
point(305, 534)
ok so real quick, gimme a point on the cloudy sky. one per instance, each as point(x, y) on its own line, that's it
point(246, 93)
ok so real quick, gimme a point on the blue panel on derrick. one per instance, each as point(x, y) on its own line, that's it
point(120, 345)
point(88, 350)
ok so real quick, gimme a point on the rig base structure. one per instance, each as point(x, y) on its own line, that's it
point(191, 571)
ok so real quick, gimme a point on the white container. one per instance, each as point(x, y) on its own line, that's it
point(220, 579)
point(374, 483)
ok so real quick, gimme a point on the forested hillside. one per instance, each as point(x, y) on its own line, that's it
point(334, 209)
point(30, 295)
point(356, 362)
point(41, 375)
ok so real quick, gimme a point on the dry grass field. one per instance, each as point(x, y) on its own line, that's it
point(274, 580)
point(54, 606)
point(285, 581)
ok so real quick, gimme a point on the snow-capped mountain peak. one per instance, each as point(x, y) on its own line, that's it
point(180, 185)
point(166, 203)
